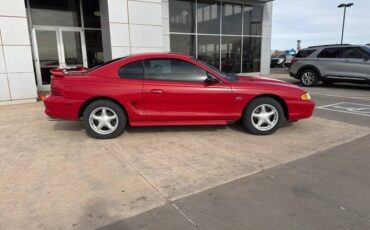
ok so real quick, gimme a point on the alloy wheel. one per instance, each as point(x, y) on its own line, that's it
point(103, 120)
point(264, 117)
point(308, 78)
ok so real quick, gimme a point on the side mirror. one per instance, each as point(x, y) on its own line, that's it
point(211, 79)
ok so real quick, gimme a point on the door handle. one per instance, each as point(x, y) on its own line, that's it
point(156, 91)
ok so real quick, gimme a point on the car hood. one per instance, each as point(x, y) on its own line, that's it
point(246, 80)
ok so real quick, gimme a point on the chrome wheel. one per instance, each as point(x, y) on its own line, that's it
point(308, 78)
point(103, 120)
point(264, 117)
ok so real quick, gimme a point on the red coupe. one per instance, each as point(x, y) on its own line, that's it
point(171, 89)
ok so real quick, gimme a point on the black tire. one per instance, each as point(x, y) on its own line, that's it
point(249, 125)
point(111, 107)
point(327, 82)
point(309, 78)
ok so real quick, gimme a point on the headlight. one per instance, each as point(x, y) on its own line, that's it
point(305, 97)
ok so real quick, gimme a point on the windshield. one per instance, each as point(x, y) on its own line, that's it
point(227, 76)
point(367, 49)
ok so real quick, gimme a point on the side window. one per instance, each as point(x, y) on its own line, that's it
point(304, 53)
point(132, 70)
point(353, 52)
point(173, 70)
point(330, 53)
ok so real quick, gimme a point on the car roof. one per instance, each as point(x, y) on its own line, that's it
point(334, 46)
point(161, 54)
point(331, 46)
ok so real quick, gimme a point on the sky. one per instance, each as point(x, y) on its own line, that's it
point(318, 22)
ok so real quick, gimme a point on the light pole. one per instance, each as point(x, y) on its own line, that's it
point(344, 5)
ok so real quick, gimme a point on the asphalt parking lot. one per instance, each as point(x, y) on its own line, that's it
point(311, 174)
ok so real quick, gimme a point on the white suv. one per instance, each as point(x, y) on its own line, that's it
point(332, 63)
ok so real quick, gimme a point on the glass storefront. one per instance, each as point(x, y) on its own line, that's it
point(65, 33)
point(225, 35)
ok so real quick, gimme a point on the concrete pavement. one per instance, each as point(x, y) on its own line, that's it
point(328, 190)
point(55, 177)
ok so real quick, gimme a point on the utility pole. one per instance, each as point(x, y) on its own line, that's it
point(344, 5)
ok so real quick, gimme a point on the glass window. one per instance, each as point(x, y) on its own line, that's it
point(209, 49)
point(181, 43)
point(208, 15)
point(330, 53)
point(251, 54)
point(231, 19)
point(55, 13)
point(353, 52)
point(304, 53)
point(253, 16)
point(94, 47)
point(91, 13)
point(48, 53)
point(366, 49)
point(173, 70)
point(132, 70)
point(72, 48)
point(182, 16)
point(231, 54)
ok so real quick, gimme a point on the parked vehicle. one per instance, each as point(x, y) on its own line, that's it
point(277, 62)
point(281, 61)
point(332, 63)
point(171, 89)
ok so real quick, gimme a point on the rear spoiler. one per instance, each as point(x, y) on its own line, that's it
point(61, 72)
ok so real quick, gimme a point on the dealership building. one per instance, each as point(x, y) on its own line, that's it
point(38, 35)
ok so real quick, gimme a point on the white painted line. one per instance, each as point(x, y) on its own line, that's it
point(324, 106)
point(348, 107)
point(347, 97)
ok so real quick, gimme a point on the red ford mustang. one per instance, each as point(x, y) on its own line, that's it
point(171, 89)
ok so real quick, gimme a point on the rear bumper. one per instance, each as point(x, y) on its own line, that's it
point(300, 110)
point(57, 107)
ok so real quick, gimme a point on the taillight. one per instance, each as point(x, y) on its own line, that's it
point(55, 91)
point(294, 60)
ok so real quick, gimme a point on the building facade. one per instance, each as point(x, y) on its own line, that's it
point(38, 35)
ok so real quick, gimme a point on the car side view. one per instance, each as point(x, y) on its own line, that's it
point(161, 89)
point(332, 63)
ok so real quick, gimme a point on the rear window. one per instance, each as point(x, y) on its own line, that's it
point(304, 53)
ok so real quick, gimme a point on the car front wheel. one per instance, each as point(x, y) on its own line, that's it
point(309, 78)
point(263, 116)
point(104, 119)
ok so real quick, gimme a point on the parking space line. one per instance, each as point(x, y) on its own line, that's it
point(347, 97)
point(348, 107)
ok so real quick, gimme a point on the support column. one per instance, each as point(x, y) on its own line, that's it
point(266, 38)
point(17, 77)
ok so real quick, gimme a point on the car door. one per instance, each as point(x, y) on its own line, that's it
point(175, 91)
point(357, 63)
point(331, 62)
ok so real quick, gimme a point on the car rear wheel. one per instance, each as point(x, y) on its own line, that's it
point(104, 119)
point(309, 78)
point(263, 116)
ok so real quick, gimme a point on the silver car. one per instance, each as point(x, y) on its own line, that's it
point(332, 63)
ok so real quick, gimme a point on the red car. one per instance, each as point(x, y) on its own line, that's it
point(171, 89)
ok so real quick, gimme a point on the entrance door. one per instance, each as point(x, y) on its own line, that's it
point(56, 47)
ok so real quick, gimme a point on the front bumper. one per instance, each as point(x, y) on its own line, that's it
point(300, 110)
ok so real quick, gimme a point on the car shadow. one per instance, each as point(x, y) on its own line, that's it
point(68, 125)
point(78, 126)
point(169, 129)
point(337, 85)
